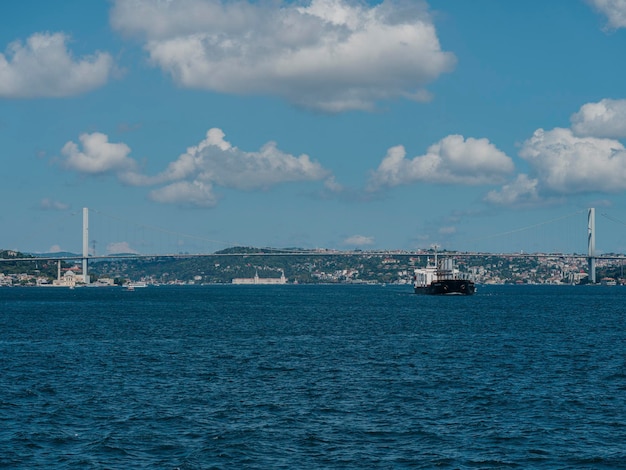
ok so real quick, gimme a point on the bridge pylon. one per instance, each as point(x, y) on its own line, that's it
point(591, 244)
point(85, 244)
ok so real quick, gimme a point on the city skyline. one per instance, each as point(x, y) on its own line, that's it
point(324, 123)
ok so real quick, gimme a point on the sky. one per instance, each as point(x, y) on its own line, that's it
point(195, 125)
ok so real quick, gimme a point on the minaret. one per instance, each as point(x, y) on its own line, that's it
point(85, 244)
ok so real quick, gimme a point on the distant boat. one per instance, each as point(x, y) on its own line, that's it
point(135, 285)
point(441, 278)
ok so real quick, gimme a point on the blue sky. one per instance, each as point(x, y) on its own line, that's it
point(314, 124)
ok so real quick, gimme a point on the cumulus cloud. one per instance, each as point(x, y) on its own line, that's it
point(44, 67)
point(191, 178)
point(453, 159)
point(98, 155)
point(47, 204)
point(585, 158)
point(607, 118)
point(193, 193)
point(216, 161)
point(332, 185)
point(359, 240)
point(567, 164)
point(614, 10)
point(563, 163)
point(520, 192)
point(330, 55)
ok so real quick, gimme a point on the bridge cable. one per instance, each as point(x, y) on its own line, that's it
point(162, 230)
point(522, 229)
point(613, 219)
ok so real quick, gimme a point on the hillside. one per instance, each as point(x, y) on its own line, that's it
point(316, 267)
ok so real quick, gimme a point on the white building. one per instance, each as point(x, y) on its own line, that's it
point(258, 280)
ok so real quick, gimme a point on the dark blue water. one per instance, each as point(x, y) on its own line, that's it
point(312, 377)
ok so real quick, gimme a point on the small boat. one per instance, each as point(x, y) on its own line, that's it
point(135, 285)
point(441, 278)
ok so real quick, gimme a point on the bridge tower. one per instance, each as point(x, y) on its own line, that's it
point(591, 244)
point(85, 243)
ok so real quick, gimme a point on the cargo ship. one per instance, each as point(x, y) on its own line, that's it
point(441, 278)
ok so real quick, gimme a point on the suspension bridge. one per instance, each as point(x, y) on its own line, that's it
point(89, 254)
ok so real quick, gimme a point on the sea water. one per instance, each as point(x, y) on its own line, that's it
point(312, 377)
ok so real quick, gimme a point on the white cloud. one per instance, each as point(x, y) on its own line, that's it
point(54, 249)
point(568, 164)
point(614, 10)
point(584, 159)
point(43, 66)
point(520, 192)
point(330, 55)
point(98, 155)
point(331, 185)
point(190, 178)
point(119, 247)
point(216, 161)
point(194, 193)
point(359, 240)
point(451, 160)
point(47, 204)
point(607, 118)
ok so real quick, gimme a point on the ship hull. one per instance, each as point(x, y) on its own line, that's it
point(447, 287)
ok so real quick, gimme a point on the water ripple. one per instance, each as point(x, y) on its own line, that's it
point(312, 377)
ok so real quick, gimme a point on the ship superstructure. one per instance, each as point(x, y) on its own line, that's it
point(441, 277)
